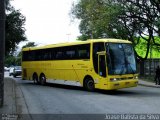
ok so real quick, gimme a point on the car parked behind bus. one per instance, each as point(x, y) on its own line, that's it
point(15, 71)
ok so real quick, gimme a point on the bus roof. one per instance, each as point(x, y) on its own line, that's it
point(77, 43)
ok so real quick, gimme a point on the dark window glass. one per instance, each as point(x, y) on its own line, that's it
point(53, 54)
point(71, 53)
point(47, 54)
point(39, 55)
point(83, 51)
point(102, 65)
point(59, 53)
point(24, 56)
point(28, 55)
point(121, 59)
point(97, 47)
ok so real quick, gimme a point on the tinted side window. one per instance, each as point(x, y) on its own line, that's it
point(24, 56)
point(28, 56)
point(70, 52)
point(59, 53)
point(38, 55)
point(83, 51)
point(47, 54)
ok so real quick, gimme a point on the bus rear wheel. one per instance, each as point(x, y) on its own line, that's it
point(42, 79)
point(89, 84)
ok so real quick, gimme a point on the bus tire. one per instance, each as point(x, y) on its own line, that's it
point(35, 78)
point(42, 79)
point(89, 84)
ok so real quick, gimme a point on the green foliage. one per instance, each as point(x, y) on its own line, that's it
point(15, 31)
point(30, 44)
point(12, 61)
point(95, 18)
point(154, 50)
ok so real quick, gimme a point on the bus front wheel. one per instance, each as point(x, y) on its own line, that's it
point(42, 79)
point(89, 84)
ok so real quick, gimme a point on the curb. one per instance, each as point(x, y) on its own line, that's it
point(154, 86)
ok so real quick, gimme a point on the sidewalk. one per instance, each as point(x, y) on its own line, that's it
point(9, 105)
point(147, 84)
point(14, 105)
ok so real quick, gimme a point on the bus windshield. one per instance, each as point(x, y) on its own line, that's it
point(120, 59)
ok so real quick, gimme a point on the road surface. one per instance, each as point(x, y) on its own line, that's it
point(64, 99)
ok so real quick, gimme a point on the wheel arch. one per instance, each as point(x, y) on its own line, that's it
point(42, 81)
point(34, 74)
point(35, 78)
point(41, 75)
point(86, 77)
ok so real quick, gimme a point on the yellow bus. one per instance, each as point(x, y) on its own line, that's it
point(107, 64)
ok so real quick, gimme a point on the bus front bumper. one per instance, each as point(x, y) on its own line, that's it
point(122, 84)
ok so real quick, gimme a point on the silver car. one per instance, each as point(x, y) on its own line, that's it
point(15, 71)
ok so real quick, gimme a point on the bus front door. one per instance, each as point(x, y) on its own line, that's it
point(102, 65)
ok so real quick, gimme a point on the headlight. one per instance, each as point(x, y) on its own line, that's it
point(135, 77)
point(113, 79)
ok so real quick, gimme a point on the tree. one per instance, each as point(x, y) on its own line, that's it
point(141, 20)
point(30, 44)
point(98, 18)
point(123, 19)
point(10, 60)
point(15, 31)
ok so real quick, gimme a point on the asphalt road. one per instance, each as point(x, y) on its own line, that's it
point(65, 99)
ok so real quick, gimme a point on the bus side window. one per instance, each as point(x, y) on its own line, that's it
point(45, 54)
point(59, 55)
point(83, 51)
point(25, 55)
point(39, 55)
point(70, 54)
point(30, 56)
point(53, 54)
